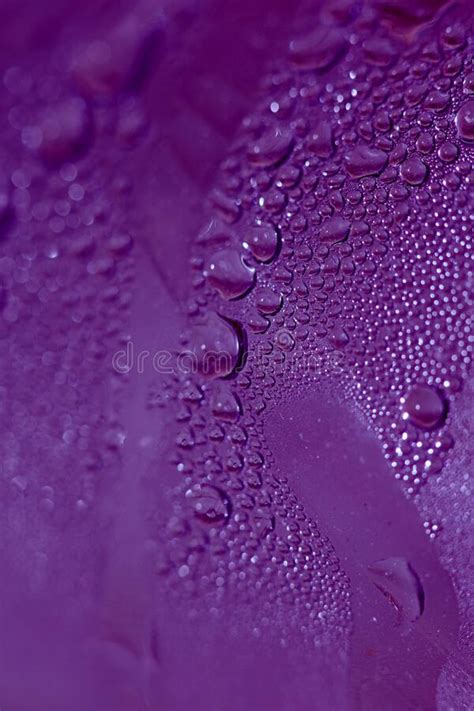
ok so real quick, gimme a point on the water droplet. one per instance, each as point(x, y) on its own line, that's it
point(335, 229)
point(400, 584)
point(216, 346)
point(425, 407)
point(210, 504)
point(339, 337)
point(468, 83)
point(364, 161)
point(465, 121)
point(118, 63)
point(321, 140)
point(448, 152)
point(64, 132)
point(228, 273)
point(268, 301)
point(224, 404)
point(414, 170)
point(317, 50)
point(437, 100)
point(256, 322)
point(284, 340)
point(120, 243)
point(273, 148)
point(263, 241)
point(379, 51)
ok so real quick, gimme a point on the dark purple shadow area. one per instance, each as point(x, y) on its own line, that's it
point(336, 468)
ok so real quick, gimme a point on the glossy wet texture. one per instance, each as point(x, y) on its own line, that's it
point(236, 337)
point(397, 642)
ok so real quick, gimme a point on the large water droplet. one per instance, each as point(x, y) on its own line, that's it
point(118, 63)
point(273, 148)
point(465, 121)
point(224, 404)
point(317, 50)
point(425, 407)
point(262, 241)
point(321, 140)
point(216, 347)
point(364, 161)
point(268, 301)
point(210, 504)
point(228, 273)
point(400, 584)
point(335, 229)
point(65, 132)
point(414, 170)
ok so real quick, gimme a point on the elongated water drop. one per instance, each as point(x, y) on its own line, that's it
point(399, 583)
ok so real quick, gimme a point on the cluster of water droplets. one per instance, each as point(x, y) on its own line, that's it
point(66, 274)
point(337, 253)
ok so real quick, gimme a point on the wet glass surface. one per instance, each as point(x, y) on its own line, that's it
point(236, 341)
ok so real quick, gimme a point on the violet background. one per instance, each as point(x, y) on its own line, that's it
point(83, 624)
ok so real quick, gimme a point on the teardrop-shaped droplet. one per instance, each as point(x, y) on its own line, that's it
point(399, 583)
point(215, 348)
point(224, 404)
point(339, 337)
